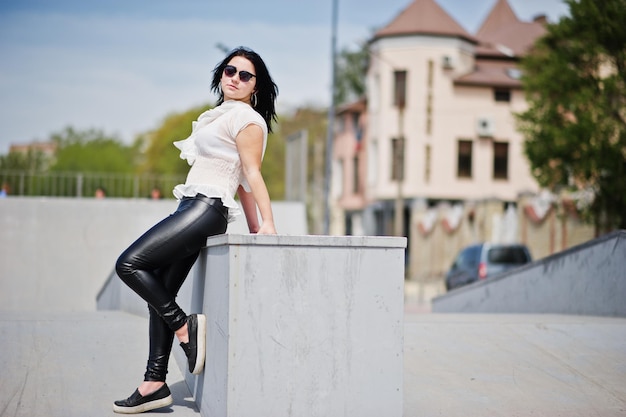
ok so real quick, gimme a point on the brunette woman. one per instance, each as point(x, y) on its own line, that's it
point(225, 151)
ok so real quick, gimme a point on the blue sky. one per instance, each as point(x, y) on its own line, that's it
point(123, 65)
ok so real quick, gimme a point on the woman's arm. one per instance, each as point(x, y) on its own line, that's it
point(249, 208)
point(250, 146)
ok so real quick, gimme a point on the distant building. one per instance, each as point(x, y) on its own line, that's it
point(437, 126)
point(350, 169)
point(47, 149)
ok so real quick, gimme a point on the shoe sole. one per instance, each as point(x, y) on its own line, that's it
point(151, 405)
point(200, 344)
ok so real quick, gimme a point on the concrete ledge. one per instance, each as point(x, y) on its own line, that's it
point(294, 325)
point(308, 241)
point(588, 279)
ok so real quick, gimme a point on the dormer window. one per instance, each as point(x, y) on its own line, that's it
point(514, 73)
point(502, 94)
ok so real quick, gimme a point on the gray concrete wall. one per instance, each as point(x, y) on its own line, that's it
point(57, 253)
point(589, 279)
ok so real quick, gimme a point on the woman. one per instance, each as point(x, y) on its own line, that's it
point(224, 150)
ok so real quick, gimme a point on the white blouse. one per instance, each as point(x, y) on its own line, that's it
point(211, 151)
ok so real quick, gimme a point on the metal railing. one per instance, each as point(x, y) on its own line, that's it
point(85, 184)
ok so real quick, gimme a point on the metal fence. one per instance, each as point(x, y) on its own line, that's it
point(85, 184)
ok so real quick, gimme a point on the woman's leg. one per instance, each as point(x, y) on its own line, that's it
point(155, 267)
point(175, 238)
point(161, 336)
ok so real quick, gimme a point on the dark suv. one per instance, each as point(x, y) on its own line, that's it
point(484, 260)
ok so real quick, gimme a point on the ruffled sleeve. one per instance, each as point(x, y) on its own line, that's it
point(188, 147)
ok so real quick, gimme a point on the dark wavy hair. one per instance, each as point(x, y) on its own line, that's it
point(266, 89)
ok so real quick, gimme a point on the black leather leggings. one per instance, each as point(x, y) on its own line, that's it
point(156, 265)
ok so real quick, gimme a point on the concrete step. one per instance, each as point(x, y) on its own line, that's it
point(76, 364)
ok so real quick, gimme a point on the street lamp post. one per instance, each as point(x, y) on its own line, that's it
point(331, 118)
point(399, 158)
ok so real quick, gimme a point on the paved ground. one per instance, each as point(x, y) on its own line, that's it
point(76, 364)
point(514, 365)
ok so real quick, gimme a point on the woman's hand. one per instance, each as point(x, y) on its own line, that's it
point(267, 228)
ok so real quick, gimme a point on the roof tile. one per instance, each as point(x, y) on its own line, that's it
point(424, 17)
point(503, 31)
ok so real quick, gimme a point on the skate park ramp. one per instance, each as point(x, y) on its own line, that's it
point(60, 356)
point(588, 279)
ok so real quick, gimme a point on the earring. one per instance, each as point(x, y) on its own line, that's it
point(253, 99)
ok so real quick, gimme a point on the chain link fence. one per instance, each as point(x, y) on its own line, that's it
point(85, 184)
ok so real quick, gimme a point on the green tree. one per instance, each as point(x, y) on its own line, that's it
point(160, 155)
point(273, 167)
point(32, 161)
point(351, 71)
point(575, 125)
point(92, 151)
point(15, 164)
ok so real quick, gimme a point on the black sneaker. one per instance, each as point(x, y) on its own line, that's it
point(137, 403)
point(195, 349)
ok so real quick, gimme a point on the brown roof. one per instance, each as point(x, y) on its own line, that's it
point(488, 51)
point(503, 39)
point(358, 106)
point(424, 17)
point(502, 33)
point(519, 37)
point(492, 74)
point(501, 15)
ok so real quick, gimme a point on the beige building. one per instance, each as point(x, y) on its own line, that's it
point(436, 137)
point(47, 149)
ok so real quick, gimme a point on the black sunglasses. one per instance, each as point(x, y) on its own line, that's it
point(230, 71)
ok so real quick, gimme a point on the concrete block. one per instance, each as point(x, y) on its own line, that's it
point(303, 326)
